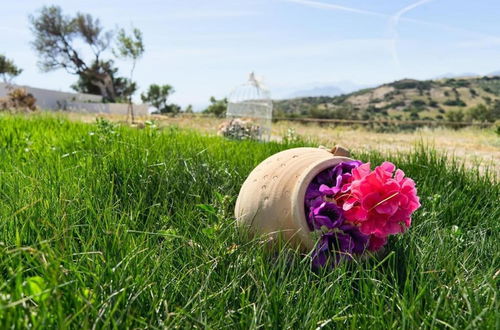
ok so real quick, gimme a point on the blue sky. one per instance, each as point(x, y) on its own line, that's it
point(206, 48)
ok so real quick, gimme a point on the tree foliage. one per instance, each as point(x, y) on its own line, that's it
point(455, 115)
point(8, 70)
point(157, 96)
point(130, 47)
point(58, 40)
point(121, 85)
point(480, 113)
point(217, 107)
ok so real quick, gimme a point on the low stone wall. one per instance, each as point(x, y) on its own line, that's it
point(111, 108)
point(47, 99)
point(50, 99)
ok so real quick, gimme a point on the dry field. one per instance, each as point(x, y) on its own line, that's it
point(477, 147)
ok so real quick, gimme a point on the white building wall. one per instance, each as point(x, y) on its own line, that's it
point(47, 99)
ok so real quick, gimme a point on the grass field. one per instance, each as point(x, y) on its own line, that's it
point(107, 226)
point(472, 145)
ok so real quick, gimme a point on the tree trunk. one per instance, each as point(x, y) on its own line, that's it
point(104, 82)
point(130, 110)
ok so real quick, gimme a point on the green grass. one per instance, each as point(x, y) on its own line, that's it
point(104, 226)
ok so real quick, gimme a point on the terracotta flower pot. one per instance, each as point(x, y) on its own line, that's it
point(271, 200)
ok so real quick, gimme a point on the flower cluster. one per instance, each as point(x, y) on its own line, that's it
point(355, 209)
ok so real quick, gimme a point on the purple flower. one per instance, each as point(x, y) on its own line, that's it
point(321, 252)
point(333, 181)
point(328, 183)
point(324, 177)
point(330, 191)
point(357, 241)
point(340, 244)
point(339, 240)
point(325, 214)
point(312, 192)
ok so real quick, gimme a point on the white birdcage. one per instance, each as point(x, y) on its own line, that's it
point(250, 110)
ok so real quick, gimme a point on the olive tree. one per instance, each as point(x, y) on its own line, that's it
point(130, 47)
point(58, 41)
point(8, 70)
point(157, 96)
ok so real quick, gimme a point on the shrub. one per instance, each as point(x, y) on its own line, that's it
point(456, 103)
point(457, 82)
point(495, 110)
point(396, 104)
point(480, 113)
point(217, 107)
point(410, 83)
point(373, 109)
point(18, 99)
point(157, 96)
point(433, 104)
point(418, 103)
point(487, 99)
point(455, 115)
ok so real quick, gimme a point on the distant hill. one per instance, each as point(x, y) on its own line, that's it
point(331, 89)
point(450, 75)
point(406, 99)
point(318, 91)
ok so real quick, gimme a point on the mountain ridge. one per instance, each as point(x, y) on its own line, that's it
point(405, 99)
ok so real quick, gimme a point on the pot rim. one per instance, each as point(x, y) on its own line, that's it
point(299, 193)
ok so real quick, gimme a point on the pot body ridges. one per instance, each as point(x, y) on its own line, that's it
point(271, 200)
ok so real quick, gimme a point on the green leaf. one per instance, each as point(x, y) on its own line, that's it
point(207, 208)
point(35, 286)
point(209, 231)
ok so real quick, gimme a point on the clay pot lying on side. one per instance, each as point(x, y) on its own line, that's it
point(271, 200)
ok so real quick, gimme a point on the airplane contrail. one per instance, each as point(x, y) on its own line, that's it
point(323, 5)
point(394, 21)
point(393, 24)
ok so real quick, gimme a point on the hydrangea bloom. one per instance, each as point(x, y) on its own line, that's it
point(355, 208)
point(376, 243)
point(381, 201)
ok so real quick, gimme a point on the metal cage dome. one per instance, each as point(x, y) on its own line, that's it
point(252, 101)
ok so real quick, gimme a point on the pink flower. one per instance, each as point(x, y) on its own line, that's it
point(380, 201)
point(376, 243)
